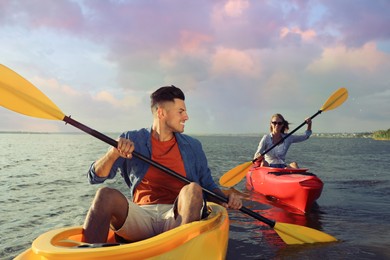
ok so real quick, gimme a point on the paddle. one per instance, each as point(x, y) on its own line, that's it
point(235, 175)
point(19, 95)
point(78, 244)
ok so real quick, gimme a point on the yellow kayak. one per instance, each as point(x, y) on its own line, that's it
point(205, 239)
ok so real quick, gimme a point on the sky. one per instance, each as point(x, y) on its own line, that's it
point(237, 61)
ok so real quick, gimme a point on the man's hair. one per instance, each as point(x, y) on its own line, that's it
point(167, 93)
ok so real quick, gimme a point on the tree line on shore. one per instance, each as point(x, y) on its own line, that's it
point(381, 134)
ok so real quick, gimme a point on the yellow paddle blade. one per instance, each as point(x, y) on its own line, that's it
point(235, 175)
point(294, 234)
point(335, 100)
point(19, 95)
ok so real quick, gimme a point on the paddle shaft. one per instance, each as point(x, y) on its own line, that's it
point(161, 167)
point(289, 134)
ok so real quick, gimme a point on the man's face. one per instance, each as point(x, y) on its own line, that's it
point(175, 115)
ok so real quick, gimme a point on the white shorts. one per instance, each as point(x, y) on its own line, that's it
point(146, 221)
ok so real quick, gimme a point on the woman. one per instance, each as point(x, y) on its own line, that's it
point(276, 157)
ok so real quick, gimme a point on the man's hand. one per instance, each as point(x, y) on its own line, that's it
point(235, 201)
point(125, 148)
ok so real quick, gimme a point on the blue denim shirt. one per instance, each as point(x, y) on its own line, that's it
point(194, 159)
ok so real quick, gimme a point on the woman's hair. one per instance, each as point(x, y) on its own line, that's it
point(285, 123)
point(163, 94)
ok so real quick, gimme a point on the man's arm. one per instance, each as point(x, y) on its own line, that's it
point(105, 163)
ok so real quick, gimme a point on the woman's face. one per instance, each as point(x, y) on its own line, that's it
point(276, 124)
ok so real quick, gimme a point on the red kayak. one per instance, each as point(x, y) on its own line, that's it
point(295, 187)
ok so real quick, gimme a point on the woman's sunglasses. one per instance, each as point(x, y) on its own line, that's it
point(277, 123)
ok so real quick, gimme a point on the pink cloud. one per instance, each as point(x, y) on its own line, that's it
point(340, 58)
point(306, 35)
point(204, 46)
point(192, 41)
point(236, 8)
point(232, 61)
point(124, 102)
point(52, 86)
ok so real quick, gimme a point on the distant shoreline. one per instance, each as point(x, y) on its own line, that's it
point(382, 135)
point(319, 135)
point(381, 139)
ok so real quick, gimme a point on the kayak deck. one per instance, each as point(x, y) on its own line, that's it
point(295, 187)
point(206, 239)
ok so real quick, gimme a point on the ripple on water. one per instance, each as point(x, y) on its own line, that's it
point(44, 186)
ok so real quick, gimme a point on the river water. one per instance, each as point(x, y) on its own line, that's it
point(44, 186)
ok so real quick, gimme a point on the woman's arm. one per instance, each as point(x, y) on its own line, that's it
point(260, 147)
point(308, 122)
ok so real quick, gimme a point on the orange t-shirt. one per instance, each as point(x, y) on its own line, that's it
point(157, 187)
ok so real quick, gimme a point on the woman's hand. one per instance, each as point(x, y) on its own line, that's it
point(259, 159)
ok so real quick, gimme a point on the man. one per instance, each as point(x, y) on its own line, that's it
point(159, 202)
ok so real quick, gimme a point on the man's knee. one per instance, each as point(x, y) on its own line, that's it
point(106, 196)
point(193, 189)
point(190, 202)
point(110, 202)
point(103, 192)
point(192, 194)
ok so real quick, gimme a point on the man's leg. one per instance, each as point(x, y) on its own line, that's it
point(190, 203)
point(110, 206)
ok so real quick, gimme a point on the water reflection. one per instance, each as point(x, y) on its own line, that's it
point(252, 238)
point(272, 209)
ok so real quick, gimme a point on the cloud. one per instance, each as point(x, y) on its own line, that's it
point(52, 86)
point(126, 102)
point(62, 15)
point(237, 61)
point(232, 61)
point(365, 59)
point(191, 42)
point(235, 8)
point(357, 22)
point(306, 35)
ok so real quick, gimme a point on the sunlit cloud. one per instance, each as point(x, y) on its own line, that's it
point(100, 60)
point(232, 61)
point(366, 58)
point(192, 41)
point(53, 86)
point(235, 8)
point(122, 103)
point(306, 35)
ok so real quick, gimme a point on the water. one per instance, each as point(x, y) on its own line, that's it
point(44, 186)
